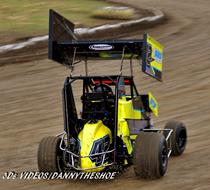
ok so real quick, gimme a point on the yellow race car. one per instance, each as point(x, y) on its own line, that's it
point(114, 128)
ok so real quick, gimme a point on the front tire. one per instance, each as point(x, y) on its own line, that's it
point(50, 155)
point(150, 155)
point(178, 137)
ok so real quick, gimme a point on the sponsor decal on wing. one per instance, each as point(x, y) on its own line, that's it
point(101, 47)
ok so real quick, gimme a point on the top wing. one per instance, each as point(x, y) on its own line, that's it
point(65, 48)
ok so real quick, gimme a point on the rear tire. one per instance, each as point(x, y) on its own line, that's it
point(50, 155)
point(178, 137)
point(150, 155)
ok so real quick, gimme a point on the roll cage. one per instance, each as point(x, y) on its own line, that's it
point(72, 126)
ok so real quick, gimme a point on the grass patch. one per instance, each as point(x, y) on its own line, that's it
point(30, 17)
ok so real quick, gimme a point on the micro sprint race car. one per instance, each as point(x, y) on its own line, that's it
point(114, 128)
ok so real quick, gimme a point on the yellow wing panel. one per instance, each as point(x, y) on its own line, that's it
point(153, 58)
point(153, 104)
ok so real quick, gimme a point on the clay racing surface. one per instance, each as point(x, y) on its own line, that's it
point(30, 104)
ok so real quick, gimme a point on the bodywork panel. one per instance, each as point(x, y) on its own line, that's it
point(94, 138)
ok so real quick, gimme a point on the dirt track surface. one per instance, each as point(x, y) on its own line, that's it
point(30, 104)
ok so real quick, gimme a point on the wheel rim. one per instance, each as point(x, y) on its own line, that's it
point(164, 156)
point(60, 161)
point(182, 140)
